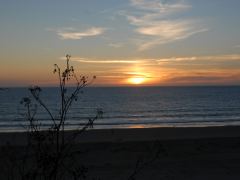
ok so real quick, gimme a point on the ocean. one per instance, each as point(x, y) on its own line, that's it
point(130, 107)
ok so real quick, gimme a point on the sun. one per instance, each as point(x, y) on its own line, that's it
point(136, 80)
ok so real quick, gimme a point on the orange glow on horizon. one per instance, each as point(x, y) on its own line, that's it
point(136, 80)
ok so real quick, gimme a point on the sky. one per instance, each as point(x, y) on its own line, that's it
point(122, 42)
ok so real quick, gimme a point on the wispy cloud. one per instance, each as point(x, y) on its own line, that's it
point(104, 61)
point(225, 58)
point(116, 45)
point(208, 78)
point(167, 31)
point(73, 34)
point(216, 58)
point(201, 76)
point(160, 6)
point(152, 18)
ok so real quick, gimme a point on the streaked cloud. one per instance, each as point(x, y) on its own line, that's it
point(216, 58)
point(116, 45)
point(153, 19)
point(160, 6)
point(103, 61)
point(73, 34)
point(166, 32)
point(202, 77)
point(225, 58)
point(107, 61)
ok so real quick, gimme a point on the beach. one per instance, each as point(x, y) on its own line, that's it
point(153, 153)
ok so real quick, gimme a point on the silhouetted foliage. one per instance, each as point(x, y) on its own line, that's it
point(50, 152)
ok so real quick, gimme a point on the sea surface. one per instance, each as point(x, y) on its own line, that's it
point(129, 107)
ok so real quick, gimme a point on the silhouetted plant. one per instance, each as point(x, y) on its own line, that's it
point(50, 151)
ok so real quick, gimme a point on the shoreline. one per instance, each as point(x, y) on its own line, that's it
point(135, 134)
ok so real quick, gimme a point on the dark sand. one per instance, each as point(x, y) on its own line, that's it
point(205, 153)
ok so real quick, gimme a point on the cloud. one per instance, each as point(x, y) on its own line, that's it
point(166, 32)
point(116, 45)
point(159, 6)
point(153, 19)
point(72, 34)
point(102, 61)
point(225, 58)
point(203, 77)
point(216, 58)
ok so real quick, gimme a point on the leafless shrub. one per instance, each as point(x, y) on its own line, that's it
point(49, 152)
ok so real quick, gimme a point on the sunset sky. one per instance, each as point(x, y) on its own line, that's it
point(122, 42)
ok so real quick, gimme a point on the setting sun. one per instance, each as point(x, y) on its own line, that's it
point(136, 80)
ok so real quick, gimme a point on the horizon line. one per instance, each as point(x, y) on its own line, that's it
point(125, 86)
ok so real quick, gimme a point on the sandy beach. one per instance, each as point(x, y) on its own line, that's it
point(154, 153)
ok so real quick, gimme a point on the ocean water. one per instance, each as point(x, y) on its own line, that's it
point(130, 107)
